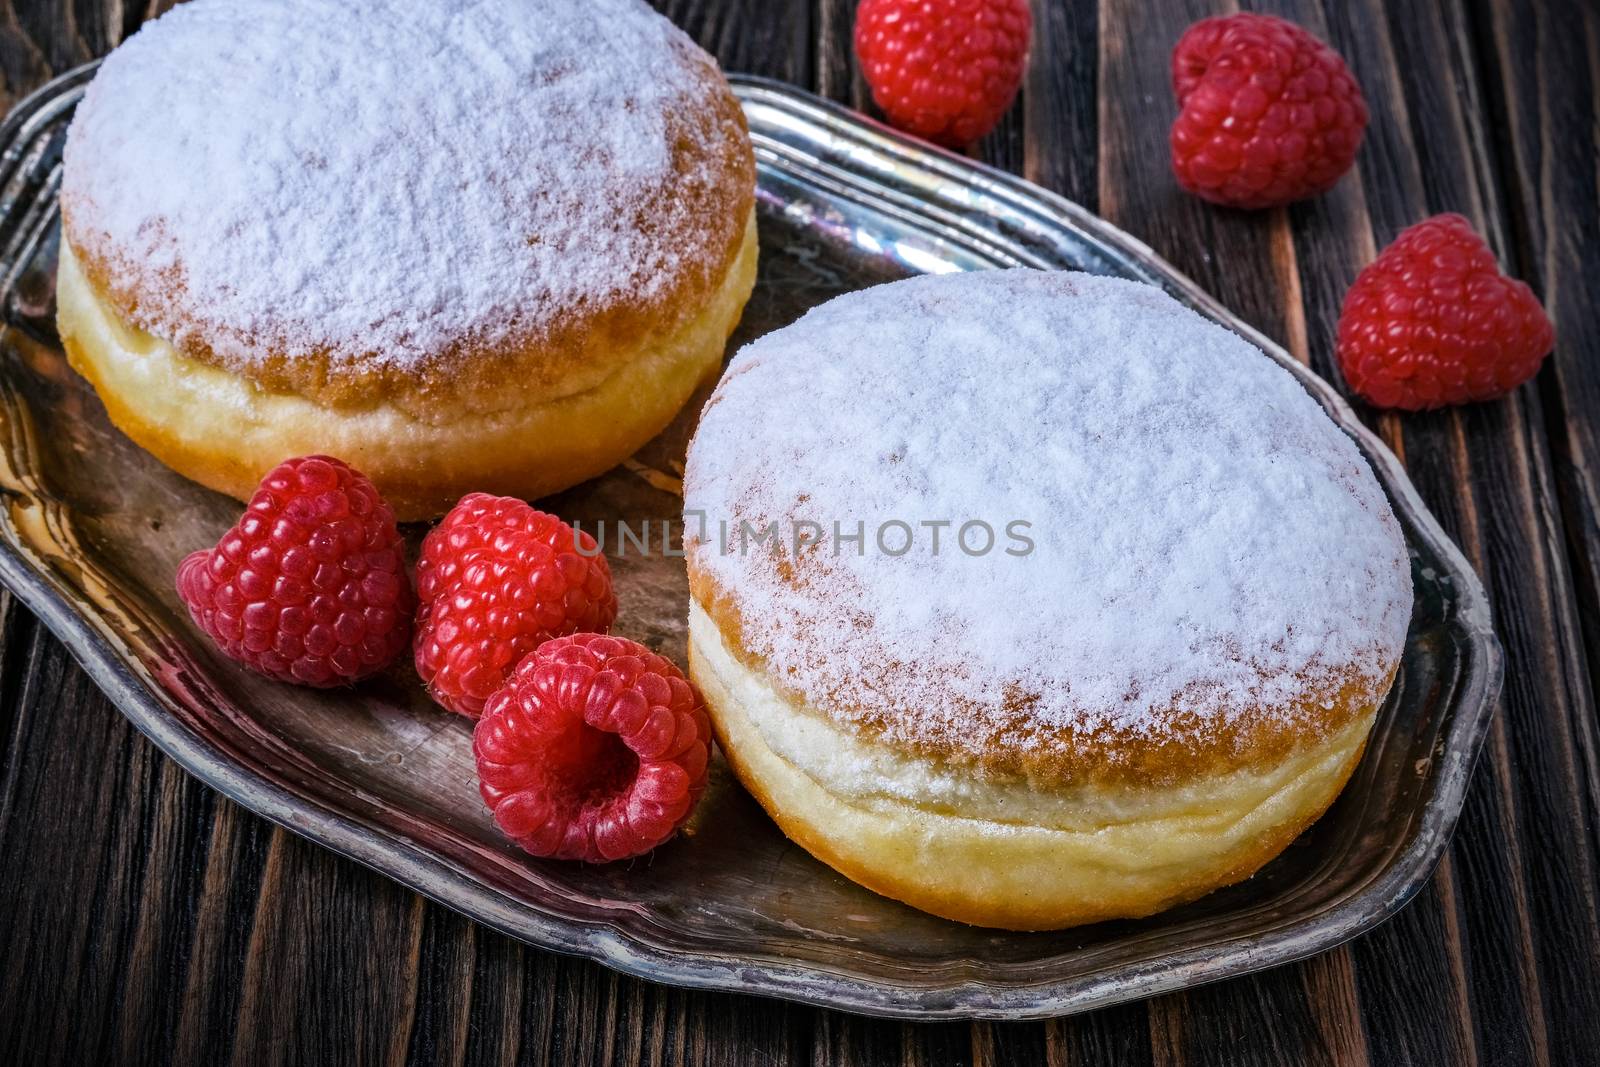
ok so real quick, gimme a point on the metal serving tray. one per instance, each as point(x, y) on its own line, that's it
point(91, 530)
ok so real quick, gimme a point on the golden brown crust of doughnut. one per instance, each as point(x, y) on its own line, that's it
point(1025, 914)
point(552, 358)
point(214, 427)
point(1187, 747)
point(1050, 856)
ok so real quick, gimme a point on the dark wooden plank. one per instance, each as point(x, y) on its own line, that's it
point(1002, 1044)
point(502, 1005)
point(773, 40)
point(1330, 983)
point(1269, 1018)
point(849, 1041)
point(1542, 79)
point(54, 27)
point(441, 1022)
point(834, 73)
point(1543, 744)
point(1120, 1035)
point(95, 865)
point(1059, 94)
point(331, 964)
point(21, 60)
point(219, 929)
point(1543, 86)
point(1485, 471)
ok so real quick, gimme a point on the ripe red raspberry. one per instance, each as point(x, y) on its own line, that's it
point(943, 69)
point(595, 749)
point(1432, 321)
point(309, 585)
point(1269, 114)
point(496, 578)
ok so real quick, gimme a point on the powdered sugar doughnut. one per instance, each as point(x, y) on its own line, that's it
point(1158, 665)
point(462, 245)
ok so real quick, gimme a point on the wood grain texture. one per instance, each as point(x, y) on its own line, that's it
point(145, 919)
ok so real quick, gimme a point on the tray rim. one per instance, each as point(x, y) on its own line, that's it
point(31, 579)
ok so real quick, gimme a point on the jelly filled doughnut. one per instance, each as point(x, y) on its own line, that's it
point(462, 246)
point(1034, 599)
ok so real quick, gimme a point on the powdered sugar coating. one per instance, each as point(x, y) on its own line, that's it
point(388, 181)
point(1208, 545)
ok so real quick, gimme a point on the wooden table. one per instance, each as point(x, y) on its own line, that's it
point(144, 918)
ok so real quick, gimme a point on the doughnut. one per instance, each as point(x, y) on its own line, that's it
point(483, 245)
point(1034, 599)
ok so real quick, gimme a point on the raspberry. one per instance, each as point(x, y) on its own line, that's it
point(1432, 321)
point(943, 69)
point(309, 585)
point(496, 578)
point(595, 750)
point(1268, 113)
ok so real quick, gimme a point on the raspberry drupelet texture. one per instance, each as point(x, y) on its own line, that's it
point(946, 70)
point(309, 586)
point(595, 749)
point(496, 578)
point(1432, 321)
point(1268, 113)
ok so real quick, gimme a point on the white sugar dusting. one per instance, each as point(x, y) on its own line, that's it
point(385, 179)
point(1203, 532)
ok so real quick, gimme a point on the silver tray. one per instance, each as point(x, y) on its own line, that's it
point(92, 529)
